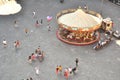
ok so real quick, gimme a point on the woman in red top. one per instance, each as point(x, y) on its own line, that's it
point(33, 56)
point(17, 43)
point(66, 73)
point(57, 69)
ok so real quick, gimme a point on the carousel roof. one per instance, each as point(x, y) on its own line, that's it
point(10, 7)
point(79, 19)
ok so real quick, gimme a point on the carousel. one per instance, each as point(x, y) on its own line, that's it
point(78, 26)
point(8, 7)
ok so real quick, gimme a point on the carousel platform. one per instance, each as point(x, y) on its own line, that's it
point(65, 40)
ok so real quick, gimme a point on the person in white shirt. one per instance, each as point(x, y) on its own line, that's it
point(37, 70)
point(33, 13)
point(4, 43)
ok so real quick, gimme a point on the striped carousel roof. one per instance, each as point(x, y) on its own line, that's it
point(79, 19)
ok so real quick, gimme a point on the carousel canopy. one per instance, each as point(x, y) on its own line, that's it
point(79, 19)
point(9, 7)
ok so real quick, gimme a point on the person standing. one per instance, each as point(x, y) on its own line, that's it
point(26, 30)
point(41, 21)
point(85, 7)
point(57, 69)
point(61, 1)
point(33, 57)
point(31, 78)
point(76, 61)
point(37, 23)
point(33, 14)
point(37, 70)
point(4, 43)
point(38, 50)
point(60, 68)
point(74, 69)
point(70, 70)
point(66, 74)
point(49, 28)
point(29, 59)
point(17, 44)
point(15, 23)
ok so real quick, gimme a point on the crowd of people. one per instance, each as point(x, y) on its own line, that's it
point(67, 71)
point(37, 55)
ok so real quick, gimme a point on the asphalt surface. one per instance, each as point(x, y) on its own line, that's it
point(93, 65)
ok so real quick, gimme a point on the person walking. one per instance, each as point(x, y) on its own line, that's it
point(4, 43)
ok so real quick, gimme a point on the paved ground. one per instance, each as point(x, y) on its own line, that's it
point(94, 65)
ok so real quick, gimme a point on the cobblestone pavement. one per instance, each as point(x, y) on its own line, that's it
point(94, 65)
